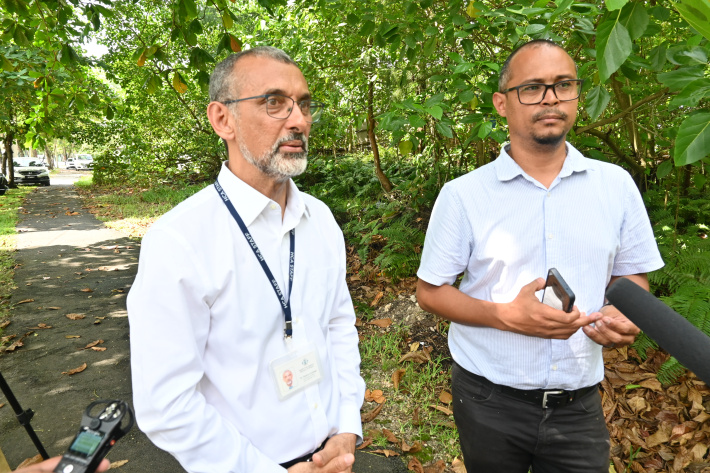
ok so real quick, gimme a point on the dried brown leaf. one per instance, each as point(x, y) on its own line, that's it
point(458, 466)
point(98, 348)
point(387, 453)
point(53, 308)
point(31, 461)
point(75, 316)
point(4, 323)
point(72, 336)
point(415, 465)
point(366, 417)
point(41, 326)
point(117, 464)
point(25, 301)
point(416, 357)
point(366, 442)
point(446, 411)
point(417, 447)
point(446, 397)
point(86, 289)
point(377, 299)
point(437, 467)
point(75, 370)
point(382, 323)
point(389, 435)
point(397, 377)
point(93, 344)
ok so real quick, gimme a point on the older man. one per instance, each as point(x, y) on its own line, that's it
point(525, 375)
point(244, 281)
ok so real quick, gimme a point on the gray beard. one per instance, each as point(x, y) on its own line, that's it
point(278, 165)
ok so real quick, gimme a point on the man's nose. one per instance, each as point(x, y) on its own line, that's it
point(550, 97)
point(297, 120)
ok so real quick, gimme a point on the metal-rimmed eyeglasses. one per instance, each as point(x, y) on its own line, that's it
point(280, 106)
point(533, 94)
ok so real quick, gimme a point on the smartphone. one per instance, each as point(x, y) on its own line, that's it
point(558, 294)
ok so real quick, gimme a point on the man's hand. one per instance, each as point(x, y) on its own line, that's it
point(528, 316)
point(611, 328)
point(48, 466)
point(336, 457)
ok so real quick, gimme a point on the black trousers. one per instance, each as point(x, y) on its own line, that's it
point(501, 434)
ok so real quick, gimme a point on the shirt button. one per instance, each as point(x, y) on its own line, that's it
point(554, 367)
point(315, 406)
point(273, 206)
point(297, 320)
point(549, 236)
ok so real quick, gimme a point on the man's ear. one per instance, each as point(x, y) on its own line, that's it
point(222, 120)
point(500, 103)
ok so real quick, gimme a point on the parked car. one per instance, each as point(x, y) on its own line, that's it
point(3, 184)
point(30, 171)
point(82, 161)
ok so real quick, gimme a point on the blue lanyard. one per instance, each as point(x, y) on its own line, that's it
point(285, 304)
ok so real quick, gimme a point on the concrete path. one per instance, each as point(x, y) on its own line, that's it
point(69, 263)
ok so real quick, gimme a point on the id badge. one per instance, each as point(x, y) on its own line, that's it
point(296, 370)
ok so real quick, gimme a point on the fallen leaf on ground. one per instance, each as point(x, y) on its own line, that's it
point(377, 299)
point(72, 213)
point(98, 348)
point(366, 442)
point(397, 377)
point(446, 411)
point(53, 308)
point(4, 323)
point(437, 467)
point(415, 356)
point(2, 404)
point(31, 461)
point(417, 447)
point(72, 336)
point(25, 301)
point(382, 323)
point(458, 466)
point(75, 316)
point(75, 370)
point(389, 435)
point(42, 326)
point(415, 465)
point(386, 453)
point(446, 397)
point(86, 289)
point(366, 417)
point(93, 344)
point(117, 464)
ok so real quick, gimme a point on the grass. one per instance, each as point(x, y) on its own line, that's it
point(133, 210)
point(9, 216)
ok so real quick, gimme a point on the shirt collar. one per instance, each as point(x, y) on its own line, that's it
point(250, 203)
point(507, 169)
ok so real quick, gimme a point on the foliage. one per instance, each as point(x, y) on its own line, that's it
point(9, 209)
point(681, 228)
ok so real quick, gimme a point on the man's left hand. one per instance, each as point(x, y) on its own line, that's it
point(335, 448)
point(611, 328)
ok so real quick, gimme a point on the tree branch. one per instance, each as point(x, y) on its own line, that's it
point(623, 113)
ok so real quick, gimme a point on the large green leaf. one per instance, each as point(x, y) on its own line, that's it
point(693, 141)
point(677, 79)
point(615, 4)
point(696, 13)
point(596, 101)
point(634, 17)
point(691, 94)
point(613, 46)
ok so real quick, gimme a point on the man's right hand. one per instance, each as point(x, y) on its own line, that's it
point(528, 316)
point(340, 464)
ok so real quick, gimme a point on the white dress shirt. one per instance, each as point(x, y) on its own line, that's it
point(502, 229)
point(205, 325)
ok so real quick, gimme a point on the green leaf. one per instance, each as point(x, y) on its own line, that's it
point(109, 112)
point(435, 112)
point(658, 57)
point(416, 121)
point(7, 65)
point(693, 140)
point(485, 129)
point(227, 20)
point(634, 17)
point(405, 147)
point(677, 79)
point(195, 27)
point(367, 28)
point(613, 46)
point(429, 46)
point(534, 29)
point(434, 100)
point(612, 5)
point(96, 21)
point(444, 129)
point(190, 8)
point(664, 168)
point(466, 96)
point(596, 101)
point(691, 94)
point(696, 13)
point(153, 84)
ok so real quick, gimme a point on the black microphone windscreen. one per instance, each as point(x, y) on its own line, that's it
point(665, 326)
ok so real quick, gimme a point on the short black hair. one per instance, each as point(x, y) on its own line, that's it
point(505, 70)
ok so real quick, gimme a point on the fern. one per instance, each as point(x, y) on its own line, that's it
point(670, 371)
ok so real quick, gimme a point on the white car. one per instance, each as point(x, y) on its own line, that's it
point(30, 171)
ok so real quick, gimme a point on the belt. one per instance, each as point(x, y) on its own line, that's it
point(545, 398)
point(305, 458)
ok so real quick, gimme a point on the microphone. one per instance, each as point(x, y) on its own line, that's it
point(665, 326)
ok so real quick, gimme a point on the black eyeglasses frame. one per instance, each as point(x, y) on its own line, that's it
point(547, 87)
point(319, 106)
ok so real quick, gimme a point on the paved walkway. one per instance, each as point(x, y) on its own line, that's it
point(69, 263)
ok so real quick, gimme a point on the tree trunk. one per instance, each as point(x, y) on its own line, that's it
point(384, 181)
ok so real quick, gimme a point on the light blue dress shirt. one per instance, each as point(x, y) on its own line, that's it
point(503, 229)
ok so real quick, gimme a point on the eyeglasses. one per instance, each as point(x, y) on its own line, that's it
point(280, 106)
point(533, 94)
